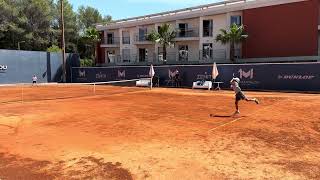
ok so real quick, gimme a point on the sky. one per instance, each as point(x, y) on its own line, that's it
point(120, 9)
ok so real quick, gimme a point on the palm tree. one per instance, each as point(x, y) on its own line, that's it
point(234, 35)
point(165, 37)
point(92, 37)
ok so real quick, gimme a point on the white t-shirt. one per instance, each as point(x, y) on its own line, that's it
point(235, 86)
point(34, 78)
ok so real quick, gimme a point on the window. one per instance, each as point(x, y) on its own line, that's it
point(183, 28)
point(110, 39)
point(142, 34)
point(143, 54)
point(125, 37)
point(236, 20)
point(207, 28)
point(126, 55)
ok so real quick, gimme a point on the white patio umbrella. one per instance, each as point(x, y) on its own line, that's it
point(215, 72)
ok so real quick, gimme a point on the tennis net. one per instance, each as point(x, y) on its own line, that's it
point(24, 92)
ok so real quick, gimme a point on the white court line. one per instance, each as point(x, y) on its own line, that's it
point(225, 124)
point(270, 106)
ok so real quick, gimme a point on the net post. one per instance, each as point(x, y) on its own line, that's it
point(94, 88)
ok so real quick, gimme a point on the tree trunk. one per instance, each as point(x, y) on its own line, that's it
point(232, 51)
point(164, 53)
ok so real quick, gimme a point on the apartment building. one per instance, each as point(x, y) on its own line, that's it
point(276, 28)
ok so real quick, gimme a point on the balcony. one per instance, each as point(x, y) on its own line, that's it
point(112, 59)
point(125, 40)
point(238, 53)
point(111, 42)
point(207, 32)
point(217, 55)
point(142, 39)
point(129, 59)
point(175, 57)
point(188, 34)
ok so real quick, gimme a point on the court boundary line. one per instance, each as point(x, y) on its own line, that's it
point(238, 119)
point(225, 124)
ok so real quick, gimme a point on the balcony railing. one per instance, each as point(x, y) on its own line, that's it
point(187, 32)
point(112, 59)
point(237, 53)
point(111, 41)
point(212, 55)
point(130, 59)
point(141, 38)
point(125, 40)
point(177, 57)
point(207, 32)
point(118, 59)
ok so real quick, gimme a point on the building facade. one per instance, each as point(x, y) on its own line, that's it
point(276, 28)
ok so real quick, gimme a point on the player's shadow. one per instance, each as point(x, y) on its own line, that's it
point(222, 116)
point(225, 116)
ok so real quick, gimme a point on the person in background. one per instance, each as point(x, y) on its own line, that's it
point(34, 80)
point(177, 78)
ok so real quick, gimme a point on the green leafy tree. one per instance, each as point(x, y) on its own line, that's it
point(86, 62)
point(10, 24)
point(54, 48)
point(70, 24)
point(35, 24)
point(38, 14)
point(106, 19)
point(27, 21)
point(91, 38)
point(233, 36)
point(89, 16)
point(165, 37)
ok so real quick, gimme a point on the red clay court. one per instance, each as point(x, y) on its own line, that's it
point(63, 132)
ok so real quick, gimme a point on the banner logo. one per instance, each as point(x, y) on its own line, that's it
point(296, 77)
point(246, 75)
point(171, 74)
point(204, 76)
point(100, 75)
point(121, 74)
point(3, 68)
point(82, 73)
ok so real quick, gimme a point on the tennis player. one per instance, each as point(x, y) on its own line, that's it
point(34, 80)
point(239, 94)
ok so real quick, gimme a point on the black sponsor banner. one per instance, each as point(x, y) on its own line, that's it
point(295, 76)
